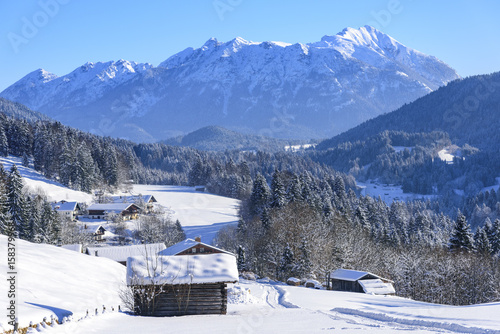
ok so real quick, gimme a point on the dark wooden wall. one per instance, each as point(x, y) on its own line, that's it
point(186, 299)
point(349, 286)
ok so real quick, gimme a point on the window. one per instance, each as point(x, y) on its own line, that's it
point(202, 250)
point(193, 250)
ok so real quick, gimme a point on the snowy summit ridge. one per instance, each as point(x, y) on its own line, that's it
point(273, 88)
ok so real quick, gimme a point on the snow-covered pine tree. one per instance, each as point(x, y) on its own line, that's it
point(265, 219)
point(4, 144)
point(260, 196)
point(294, 190)
point(494, 237)
point(286, 263)
point(461, 239)
point(481, 242)
point(15, 200)
point(5, 219)
point(278, 192)
point(241, 259)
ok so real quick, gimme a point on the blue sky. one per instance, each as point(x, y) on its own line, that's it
point(65, 34)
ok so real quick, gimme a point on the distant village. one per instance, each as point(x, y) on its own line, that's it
point(188, 277)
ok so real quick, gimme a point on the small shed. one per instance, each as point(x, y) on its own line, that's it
point(121, 253)
point(359, 281)
point(192, 247)
point(181, 285)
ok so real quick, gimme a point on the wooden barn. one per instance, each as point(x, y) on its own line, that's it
point(181, 285)
point(192, 247)
point(359, 281)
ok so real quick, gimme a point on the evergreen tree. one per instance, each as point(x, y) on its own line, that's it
point(180, 231)
point(265, 219)
point(461, 238)
point(16, 201)
point(286, 263)
point(241, 262)
point(260, 196)
point(481, 242)
point(494, 237)
point(5, 218)
point(4, 144)
point(278, 192)
point(294, 190)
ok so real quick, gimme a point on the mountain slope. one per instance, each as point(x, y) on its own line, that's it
point(468, 110)
point(276, 89)
point(216, 138)
point(20, 111)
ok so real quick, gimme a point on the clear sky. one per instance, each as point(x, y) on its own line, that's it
point(60, 35)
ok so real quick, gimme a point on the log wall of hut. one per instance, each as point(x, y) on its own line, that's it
point(186, 299)
point(349, 286)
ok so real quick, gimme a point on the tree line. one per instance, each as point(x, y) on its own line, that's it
point(302, 226)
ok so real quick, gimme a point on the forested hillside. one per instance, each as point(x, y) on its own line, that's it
point(406, 147)
point(466, 109)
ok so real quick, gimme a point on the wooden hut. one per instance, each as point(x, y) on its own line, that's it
point(181, 285)
point(359, 281)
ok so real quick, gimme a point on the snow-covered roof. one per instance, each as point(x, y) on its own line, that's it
point(352, 275)
point(187, 244)
point(110, 207)
point(121, 253)
point(73, 247)
point(195, 269)
point(64, 206)
point(376, 287)
point(133, 199)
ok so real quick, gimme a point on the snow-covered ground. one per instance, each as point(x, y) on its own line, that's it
point(201, 214)
point(445, 155)
point(295, 148)
point(59, 282)
point(36, 181)
point(388, 192)
point(56, 282)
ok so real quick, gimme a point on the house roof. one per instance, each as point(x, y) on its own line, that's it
point(187, 244)
point(110, 207)
point(352, 275)
point(195, 269)
point(121, 253)
point(64, 206)
point(376, 287)
point(134, 199)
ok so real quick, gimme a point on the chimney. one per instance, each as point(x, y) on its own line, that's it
point(197, 239)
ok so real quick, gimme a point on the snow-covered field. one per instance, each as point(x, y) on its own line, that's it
point(201, 214)
point(59, 282)
point(56, 281)
point(388, 192)
point(36, 181)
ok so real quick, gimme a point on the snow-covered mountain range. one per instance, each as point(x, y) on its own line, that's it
point(270, 88)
